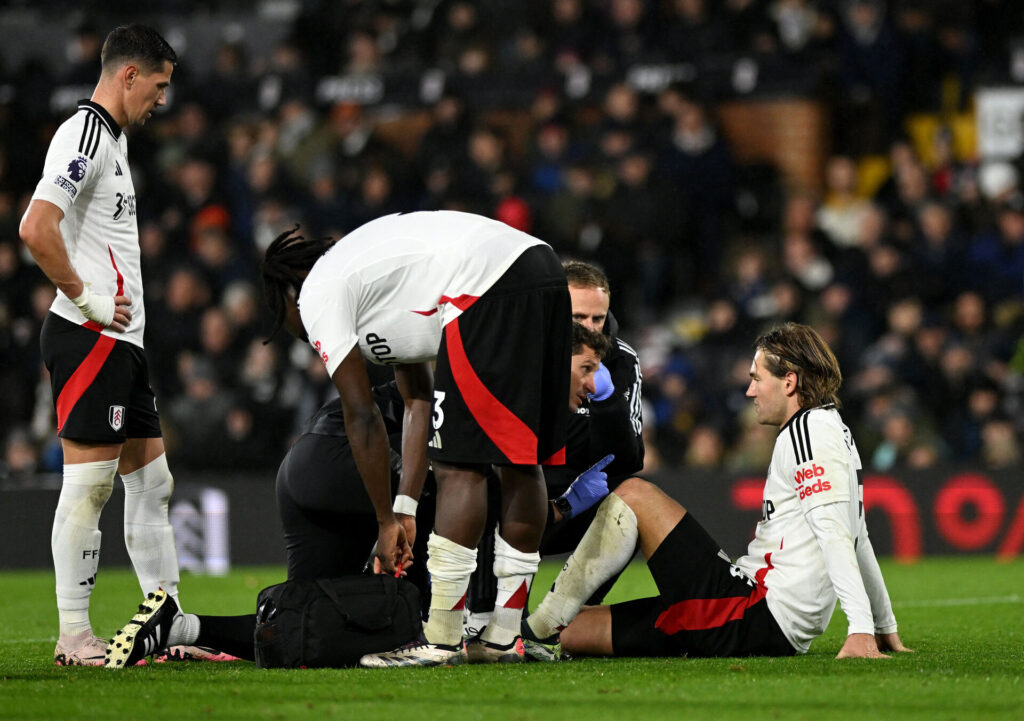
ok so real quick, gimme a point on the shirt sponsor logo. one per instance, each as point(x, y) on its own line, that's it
point(379, 348)
point(123, 203)
point(76, 168)
point(323, 355)
point(808, 474)
point(116, 417)
point(66, 185)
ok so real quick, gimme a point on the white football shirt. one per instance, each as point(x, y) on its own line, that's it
point(813, 478)
point(86, 175)
point(392, 284)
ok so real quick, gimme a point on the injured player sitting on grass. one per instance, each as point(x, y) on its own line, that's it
point(778, 597)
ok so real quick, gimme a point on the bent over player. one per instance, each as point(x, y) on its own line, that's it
point(491, 305)
point(810, 547)
point(81, 229)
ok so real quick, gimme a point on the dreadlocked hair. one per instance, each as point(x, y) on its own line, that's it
point(286, 264)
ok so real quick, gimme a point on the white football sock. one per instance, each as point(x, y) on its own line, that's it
point(604, 550)
point(515, 571)
point(75, 539)
point(184, 631)
point(147, 532)
point(450, 566)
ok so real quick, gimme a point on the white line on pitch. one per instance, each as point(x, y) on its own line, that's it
point(986, 600)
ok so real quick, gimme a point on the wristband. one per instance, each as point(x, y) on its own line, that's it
point(405, 505)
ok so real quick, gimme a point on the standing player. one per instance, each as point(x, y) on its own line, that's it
point(81, 229)
point(810, 547)
point(607, 423)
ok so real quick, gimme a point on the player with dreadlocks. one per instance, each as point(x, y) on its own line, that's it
point(408, 289)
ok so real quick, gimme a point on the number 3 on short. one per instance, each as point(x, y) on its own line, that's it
point(438, 413)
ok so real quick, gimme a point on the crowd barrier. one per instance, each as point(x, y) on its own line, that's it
point(232, 519)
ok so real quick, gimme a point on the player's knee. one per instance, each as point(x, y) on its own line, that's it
point(638, 493)
point(153, 479)
point(634, 491)
point(86, 489)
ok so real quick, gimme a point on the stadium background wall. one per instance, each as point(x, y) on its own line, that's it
point(910, 514)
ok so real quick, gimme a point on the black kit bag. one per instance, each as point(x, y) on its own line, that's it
point(330, 623)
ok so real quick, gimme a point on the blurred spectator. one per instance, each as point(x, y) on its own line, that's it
point(842, 212)
point(197, 417)
point(20, 459)
point(1001, 445)
point(872, 73)
point(693, 30)
point(938, 254)
point(997, 257)
point(698, 161)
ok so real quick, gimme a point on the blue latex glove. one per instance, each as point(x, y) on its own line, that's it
point(588, 488)
point(603, 383)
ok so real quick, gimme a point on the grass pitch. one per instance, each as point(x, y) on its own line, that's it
point(963, 617)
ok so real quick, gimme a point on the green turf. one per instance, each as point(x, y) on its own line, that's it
point(963, 617)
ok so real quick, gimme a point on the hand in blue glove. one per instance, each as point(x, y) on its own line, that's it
point(603, 384)
point(588, 488)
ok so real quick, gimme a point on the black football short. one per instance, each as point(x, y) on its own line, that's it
point(501, 386)
point(100, 385)
point(707, 608)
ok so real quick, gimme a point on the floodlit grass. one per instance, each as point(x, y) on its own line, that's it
point(961, 615)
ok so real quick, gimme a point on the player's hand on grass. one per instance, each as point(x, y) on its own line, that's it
point(112, 312)
point(860, 645)
point(891, 642)
point(393, 549)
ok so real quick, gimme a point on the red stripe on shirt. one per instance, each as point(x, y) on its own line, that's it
point(462, 302)
point(761, 573)
point(120, 278)
point(82, 378)
point(512, 437)
point(91, 324)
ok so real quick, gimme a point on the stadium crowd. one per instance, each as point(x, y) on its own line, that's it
point(916, 280)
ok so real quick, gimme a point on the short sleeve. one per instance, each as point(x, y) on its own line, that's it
point(328, 312)
point(69, 170)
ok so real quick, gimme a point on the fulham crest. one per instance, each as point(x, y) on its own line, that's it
point(116, 417)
